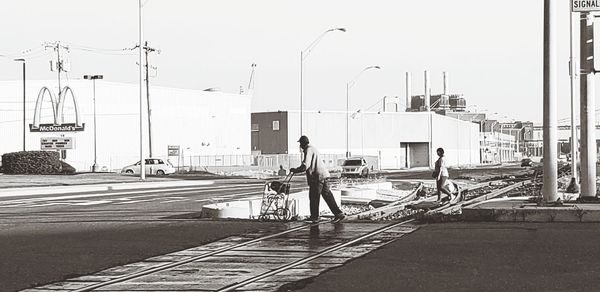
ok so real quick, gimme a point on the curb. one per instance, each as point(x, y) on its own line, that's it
point(570, 213)
point(52, 190)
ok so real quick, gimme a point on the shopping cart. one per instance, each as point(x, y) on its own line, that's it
point(275, 203)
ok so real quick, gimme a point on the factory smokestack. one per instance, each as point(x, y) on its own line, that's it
point(446, 84)
point(427, 91)
point(408, 92)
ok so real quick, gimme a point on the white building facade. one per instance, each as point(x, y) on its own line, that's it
point(199, 122)
point(397, 139)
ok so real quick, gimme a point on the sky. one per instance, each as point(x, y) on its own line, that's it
point(492, 49)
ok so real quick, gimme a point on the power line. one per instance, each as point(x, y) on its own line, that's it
point(21, 53)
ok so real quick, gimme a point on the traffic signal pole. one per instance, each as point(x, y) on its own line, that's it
point(587, 107)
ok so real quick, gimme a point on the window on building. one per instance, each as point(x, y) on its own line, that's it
point(275, 125)
point(254, 127)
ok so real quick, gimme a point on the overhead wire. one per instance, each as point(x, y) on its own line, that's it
point(22, 52)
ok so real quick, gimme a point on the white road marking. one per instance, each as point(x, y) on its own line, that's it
point(161, 192)
point(173, 201)
point(44, 202)
point(136, 201)
point(90, 203)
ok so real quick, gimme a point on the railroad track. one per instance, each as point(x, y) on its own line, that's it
point(252, 262)
point(472, 194)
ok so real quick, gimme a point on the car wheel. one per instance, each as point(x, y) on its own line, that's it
point(129, 171)
point(160, 172)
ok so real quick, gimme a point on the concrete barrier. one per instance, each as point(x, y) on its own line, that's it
point(250, 208)
point(299, 204)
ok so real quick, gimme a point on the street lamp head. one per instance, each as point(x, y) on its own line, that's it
point(93, 77)
point(19, 60)
point(337, 28)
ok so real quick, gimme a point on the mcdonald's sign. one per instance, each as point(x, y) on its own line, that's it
point(58, 106)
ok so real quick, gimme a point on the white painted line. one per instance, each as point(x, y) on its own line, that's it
point(233, 195)
point(184, 191)
point(52, 190)
point(173, 201)
point(137, 201)
point(90, 203)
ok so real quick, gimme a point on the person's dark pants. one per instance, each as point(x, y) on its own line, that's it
point(441, 188)
point(316, 190)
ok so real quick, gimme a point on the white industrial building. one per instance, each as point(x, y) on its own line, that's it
point(398, 139)
point(199, 122)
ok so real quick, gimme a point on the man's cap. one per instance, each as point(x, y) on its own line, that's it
point(303, 140)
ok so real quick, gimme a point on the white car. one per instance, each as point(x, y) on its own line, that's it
point(355, 166)
point(154, 166)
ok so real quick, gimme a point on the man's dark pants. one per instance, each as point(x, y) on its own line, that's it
point(319, 188)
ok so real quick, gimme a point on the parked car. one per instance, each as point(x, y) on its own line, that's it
point(526, 162)
point(354, 167)
point(153, 166)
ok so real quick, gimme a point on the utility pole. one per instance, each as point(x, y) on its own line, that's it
point(147, 50)
point(56, 46)
point(587, 107)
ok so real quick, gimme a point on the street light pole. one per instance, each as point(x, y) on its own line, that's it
point(24, 127)
point(94, 78)
point(141, 76)
point(349, 85)
point(303, 55)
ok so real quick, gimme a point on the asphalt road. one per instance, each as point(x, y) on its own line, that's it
point(475, 257)
point(44, 239)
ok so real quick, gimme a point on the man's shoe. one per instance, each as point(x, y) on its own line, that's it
point(311, 220)
point(338, 218)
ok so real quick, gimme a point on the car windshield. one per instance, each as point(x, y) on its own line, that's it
point(352, 162)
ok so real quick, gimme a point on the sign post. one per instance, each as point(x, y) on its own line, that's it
point(56, 143)
point(174, 150)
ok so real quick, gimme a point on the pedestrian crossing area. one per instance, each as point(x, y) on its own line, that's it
point(118, 201)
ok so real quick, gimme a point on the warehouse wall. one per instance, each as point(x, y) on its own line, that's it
point(391, 136)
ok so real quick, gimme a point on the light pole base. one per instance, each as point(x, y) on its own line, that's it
point(95, 168)
point(573, 187)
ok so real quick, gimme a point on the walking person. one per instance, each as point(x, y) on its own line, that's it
point(316, 177)
point(441, 176)
point(282, 171)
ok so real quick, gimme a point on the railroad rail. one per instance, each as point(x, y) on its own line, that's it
point(372, 237)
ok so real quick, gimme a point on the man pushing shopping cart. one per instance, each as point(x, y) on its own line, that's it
point(316, 177)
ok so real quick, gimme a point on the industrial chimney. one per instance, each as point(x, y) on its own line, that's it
point(427, 92)
point(446, 85)
point(408, 92)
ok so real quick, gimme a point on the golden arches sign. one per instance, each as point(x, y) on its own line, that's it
point(58, 106)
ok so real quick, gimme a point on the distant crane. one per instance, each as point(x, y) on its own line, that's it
point(251, 81)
